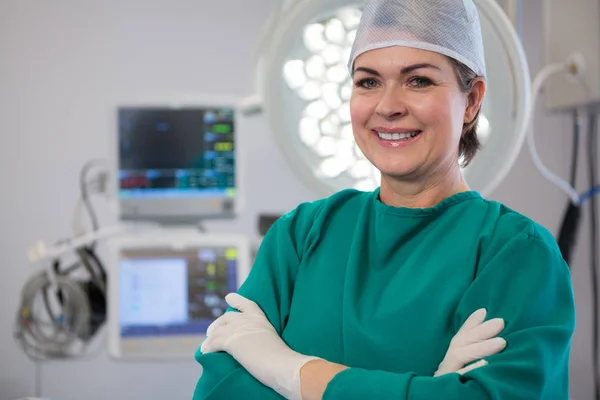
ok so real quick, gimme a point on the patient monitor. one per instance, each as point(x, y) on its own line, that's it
point(177, 164)
point(167, 287)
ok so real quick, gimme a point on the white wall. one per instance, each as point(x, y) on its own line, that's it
point(63, 67)
point(528, 193)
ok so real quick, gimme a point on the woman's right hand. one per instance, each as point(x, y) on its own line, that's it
point(474, 341)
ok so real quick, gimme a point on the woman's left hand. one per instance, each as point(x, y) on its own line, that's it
point(249, 337)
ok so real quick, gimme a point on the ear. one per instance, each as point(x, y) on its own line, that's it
point(474, 99)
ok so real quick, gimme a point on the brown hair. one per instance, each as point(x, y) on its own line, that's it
point(469, 142)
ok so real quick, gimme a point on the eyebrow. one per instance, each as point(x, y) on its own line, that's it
point(403, 71)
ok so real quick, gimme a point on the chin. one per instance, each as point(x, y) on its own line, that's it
point(397, 171)
point(394, 162)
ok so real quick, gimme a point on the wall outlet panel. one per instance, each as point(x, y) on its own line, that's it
point(572, 26)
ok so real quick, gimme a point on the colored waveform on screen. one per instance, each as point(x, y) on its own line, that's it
point(223, 146)
point(134, 182)
point(221, 128)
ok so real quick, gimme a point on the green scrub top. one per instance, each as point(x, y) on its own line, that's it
point(383, 290)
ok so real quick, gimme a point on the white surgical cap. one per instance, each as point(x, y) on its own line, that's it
point(448, 27)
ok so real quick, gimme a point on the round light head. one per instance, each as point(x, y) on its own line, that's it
point(307, 92)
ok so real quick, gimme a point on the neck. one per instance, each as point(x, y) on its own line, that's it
point(421, 194)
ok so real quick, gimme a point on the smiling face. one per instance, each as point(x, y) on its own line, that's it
point(408, 112)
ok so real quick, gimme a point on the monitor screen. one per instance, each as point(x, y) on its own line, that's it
point(167, 287)
point(165, 293)
point(176, 162)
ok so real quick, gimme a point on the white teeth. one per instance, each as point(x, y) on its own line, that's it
point(397, 136)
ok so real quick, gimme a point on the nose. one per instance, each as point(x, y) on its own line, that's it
point(391, 104)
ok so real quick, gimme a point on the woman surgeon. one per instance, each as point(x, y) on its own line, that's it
point(384, 294)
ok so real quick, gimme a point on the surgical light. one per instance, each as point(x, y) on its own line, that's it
point(306, 90)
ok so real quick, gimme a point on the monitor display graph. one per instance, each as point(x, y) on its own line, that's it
point(164, 294)
point(167, 286)
point(166, 152)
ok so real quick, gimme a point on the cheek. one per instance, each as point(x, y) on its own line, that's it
point(444, 114)
point(360, 112)
point(456, 110)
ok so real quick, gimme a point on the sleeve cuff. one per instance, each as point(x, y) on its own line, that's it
point(360, 384)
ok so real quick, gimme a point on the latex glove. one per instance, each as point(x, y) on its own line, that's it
point(475, 340)
point(249, 337)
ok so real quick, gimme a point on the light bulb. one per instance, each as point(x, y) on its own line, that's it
point(309, 131)
point(334, 31)
point(332, 54)
point(359, 154)
point(314, 38)
point(345, 156)
point(361, 169)
point(331, 96)
point(346, 54)
point(350, 36)
point(346, 145)
point(310, 91)
point(293, 73)
point(315, 67)
point(346, 90)
point(483, 128)
point(325, 146)
point(344, 112)
point(331, 125)
point(330, 168)
point(338, 74)
point(350, 17)
point(317, 109)
point(346, 133)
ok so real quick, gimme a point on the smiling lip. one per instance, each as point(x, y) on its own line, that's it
point(396, 144)
point(396, 130)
